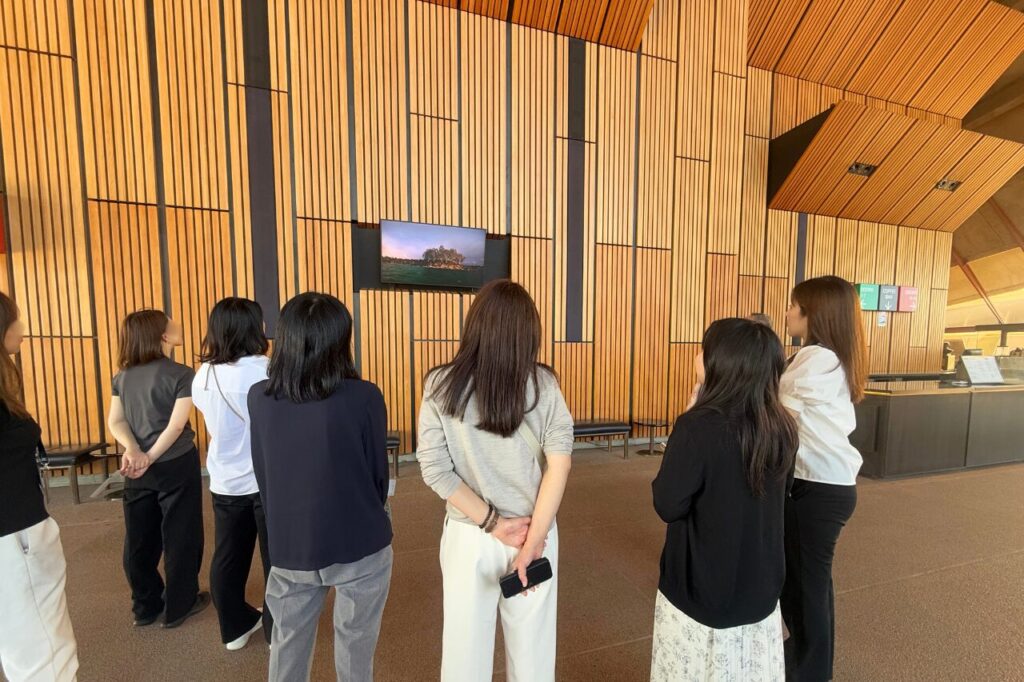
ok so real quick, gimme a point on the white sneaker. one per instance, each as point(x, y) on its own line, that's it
point(240, 643)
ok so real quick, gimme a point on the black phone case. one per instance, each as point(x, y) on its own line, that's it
point(537, 572)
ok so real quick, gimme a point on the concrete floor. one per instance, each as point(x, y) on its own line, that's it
point(929, 579)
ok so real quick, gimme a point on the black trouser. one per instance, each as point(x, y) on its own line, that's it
point(163, 513)
point(815, 515)
point(239, 522)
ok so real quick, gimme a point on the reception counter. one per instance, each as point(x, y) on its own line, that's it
point(917, 427)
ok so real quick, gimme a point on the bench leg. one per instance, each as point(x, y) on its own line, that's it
point(625, 446)
point(394, 458)
point(45, 475)
point(73, 478)
point(609, 445)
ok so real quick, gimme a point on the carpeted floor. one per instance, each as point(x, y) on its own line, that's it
point(929, 581)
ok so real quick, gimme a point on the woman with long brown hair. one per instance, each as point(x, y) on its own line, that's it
point(36, 638)
point(820, 386)
point(495, 440)
point(163, 497)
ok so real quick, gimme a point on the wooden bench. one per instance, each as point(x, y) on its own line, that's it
point(604, 430)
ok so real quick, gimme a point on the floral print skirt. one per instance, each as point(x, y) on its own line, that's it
point(686, 651)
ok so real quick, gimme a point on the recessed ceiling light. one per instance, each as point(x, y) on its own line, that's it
point(858, 168)
point(948, 185)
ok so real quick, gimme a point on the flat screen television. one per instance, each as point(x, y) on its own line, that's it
point(424, 254)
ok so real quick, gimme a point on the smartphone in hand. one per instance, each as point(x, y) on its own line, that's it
point(537, 572)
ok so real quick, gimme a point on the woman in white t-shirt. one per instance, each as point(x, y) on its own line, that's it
point(820, 386)
point(234, 358)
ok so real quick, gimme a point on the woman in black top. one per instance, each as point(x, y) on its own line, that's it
point(319, 451)
point(36, 638)
point(163, 497)
point(721, 490)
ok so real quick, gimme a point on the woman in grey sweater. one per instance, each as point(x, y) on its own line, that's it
point(495, 439)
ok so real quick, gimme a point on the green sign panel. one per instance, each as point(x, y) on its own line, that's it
point(868, 296)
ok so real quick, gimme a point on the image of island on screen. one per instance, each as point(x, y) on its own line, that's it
point(423, 254)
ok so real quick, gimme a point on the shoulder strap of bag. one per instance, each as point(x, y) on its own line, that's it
point(526, 433)
point(222, 396)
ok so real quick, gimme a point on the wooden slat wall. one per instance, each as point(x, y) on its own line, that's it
point(456, 118)
point(381, 111)
point(533, 105)
point(46, 218)
point(483, 123)
point(616, 23)
point(929, 56)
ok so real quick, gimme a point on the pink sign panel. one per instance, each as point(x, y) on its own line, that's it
point(908, 299)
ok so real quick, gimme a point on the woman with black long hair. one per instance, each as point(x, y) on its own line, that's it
point(37, 641)
point(495, 439)
point(234, 357)
point(319, 450)
point(820, 386)
point(721, 490)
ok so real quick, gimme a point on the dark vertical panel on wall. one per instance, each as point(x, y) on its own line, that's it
point(801, 248)
point(801, 255)
point(158, 155)
point(260, 147)
point(575, 194)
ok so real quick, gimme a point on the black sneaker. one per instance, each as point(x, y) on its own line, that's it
point(202, 601)
point(146, 620)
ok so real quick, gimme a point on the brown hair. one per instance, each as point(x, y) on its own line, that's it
point(496, 359)
point(141, 338)
point(832, 308)
point(10, 377)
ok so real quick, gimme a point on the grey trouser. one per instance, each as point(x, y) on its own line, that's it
point(296, 598)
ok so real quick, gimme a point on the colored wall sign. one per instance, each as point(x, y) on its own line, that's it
point(888, 297)
point(883, 319)
point(868, 296)
point(908, 299)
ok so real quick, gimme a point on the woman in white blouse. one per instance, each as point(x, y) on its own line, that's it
point(822, 383)
point(234, 357)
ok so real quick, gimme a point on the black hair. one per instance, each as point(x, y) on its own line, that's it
point(743, 361)
point(235, 330)
point(312, 349)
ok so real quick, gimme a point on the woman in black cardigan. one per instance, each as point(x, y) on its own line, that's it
point(721, 490)
point(36, 638)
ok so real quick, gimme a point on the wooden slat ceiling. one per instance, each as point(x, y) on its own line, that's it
point(616, 23)
point(925, 54)
point(912, 155)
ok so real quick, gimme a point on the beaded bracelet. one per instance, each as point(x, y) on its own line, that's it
point(491, 511)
